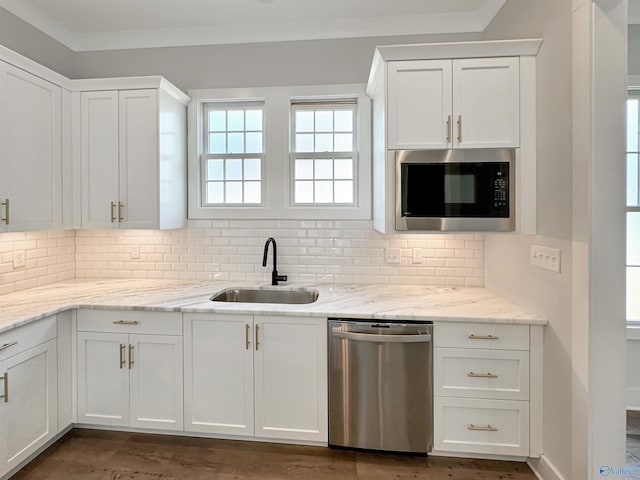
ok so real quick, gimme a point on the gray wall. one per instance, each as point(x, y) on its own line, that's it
point(32, 43)
point(506, 263)
point(634, 50)
point(313, 62)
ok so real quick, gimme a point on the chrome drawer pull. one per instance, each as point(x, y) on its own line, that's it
point(126, 322)
point(473, 336)
point(5, 395)
point(257, 341)
point(5, 204)
point(483, 428)
point(482, 375)
point(123, 362)
point(131, 347)
point(7, 345)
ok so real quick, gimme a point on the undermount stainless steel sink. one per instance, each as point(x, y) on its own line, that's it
point(263, 295)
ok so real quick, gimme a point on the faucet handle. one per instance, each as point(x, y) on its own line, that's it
point(275, 278)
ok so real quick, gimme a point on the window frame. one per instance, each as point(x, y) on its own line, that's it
point(204, 156)
point(319, 104)
point(632, 94)
point(276, 175)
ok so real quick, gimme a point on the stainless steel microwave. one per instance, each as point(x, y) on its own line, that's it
point(455, 190)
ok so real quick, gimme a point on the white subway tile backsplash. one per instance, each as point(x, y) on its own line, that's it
point(338, 251)
point(50, 257)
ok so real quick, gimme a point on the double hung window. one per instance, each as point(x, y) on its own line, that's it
point(233, 158)
point(323, 153)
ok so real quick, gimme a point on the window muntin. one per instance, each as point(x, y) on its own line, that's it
point(323, 153)
point(234, 153)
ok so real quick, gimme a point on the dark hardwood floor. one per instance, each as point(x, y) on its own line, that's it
point(95, 454)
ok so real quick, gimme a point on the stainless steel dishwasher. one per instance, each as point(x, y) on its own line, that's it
point(381, 385)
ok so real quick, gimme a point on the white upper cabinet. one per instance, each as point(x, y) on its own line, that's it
point(133, 159)
point(419, 98)
point(486, 102)
point(463, 103)
point(31, 152)
point(99, 143)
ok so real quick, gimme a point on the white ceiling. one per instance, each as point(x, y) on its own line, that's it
point(117, 24)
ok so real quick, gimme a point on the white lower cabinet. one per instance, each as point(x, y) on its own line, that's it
point(473, 425)
point(482, 391)
point(28, 404)
point(129, 379)
point(256, 375)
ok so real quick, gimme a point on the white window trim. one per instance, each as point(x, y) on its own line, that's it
point(276, 174)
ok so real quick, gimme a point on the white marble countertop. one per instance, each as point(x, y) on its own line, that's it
point(381, 302)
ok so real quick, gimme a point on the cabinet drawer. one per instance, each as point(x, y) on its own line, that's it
point(130, 321)
point(26, 337)
point(501, 374)
point(481, 335)
point(498, 427)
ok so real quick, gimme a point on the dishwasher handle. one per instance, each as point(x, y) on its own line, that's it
point(379, 338)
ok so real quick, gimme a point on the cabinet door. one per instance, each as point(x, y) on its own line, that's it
point(31, 151)
point(419, 104)
point(291, 378)
point(28, 410)
point(138, 126)
point(219, 373)
point(486, 102)
point(155, 365)
point(99, 159)
point(103, 378)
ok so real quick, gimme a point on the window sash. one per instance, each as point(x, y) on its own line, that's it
point(205, 181)
point(315, 106)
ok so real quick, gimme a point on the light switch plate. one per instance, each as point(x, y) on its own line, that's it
point(416, 255)
point(135, 252)
point(545, 257)
point(392, 256)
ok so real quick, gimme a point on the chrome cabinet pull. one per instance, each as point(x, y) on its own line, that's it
point(126, 322)
point(131, 347)
point(113, 217)
point(483, 428)
point(5, 204)
point(120, 207)
point(246, 336)
point(473, 336)
point(123, 362)
point(7, 345)
point(449, 129)
point(482, 375)
point(257, 342)
point(459, 128)
point(5, 395)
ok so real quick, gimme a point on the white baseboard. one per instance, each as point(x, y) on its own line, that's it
point(544, 469)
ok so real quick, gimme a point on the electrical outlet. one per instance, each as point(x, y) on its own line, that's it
point(135, 252)
point(19, 258)
point(416, 255)
point(545, 257)
point(392, 256)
